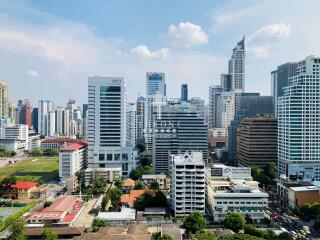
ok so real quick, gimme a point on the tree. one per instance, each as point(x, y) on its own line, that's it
point(248, 219)
point(316, 225)
point(81, 180)
point(98, 184)
point(49, 235)
point(195, 222)
point(284, 236)
point(146, 160)
point(240, 237)
point(16, 231)
point(50, 152)
point(157, 236)
point(115, 196)
point(204, 235)
point(139, 185)
point(154, 186)
point(234, 221)
point(147, 200)
point(36, 152)
point(141, 147)
point(98, 223)
point(139, 171)
point(118, 183)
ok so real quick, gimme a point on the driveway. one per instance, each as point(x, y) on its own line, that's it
point(85, 219)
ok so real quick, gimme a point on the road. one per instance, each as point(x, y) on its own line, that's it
point(85, 219)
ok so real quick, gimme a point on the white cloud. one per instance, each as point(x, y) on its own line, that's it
point(33, 73)
point(187, 34)
point(143, 51)
point(273, 31)
point(258, 51)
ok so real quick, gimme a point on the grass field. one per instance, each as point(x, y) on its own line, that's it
point(7, 211)
point(38, 169)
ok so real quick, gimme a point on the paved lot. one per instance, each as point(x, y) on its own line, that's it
point(85, 219)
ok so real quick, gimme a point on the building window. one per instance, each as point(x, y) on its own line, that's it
point(117, 157)
point(101, 157)
point(109, 157)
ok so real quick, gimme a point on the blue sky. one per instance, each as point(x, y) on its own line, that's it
point(49, 48)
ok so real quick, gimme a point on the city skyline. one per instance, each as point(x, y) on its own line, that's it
point(192, 44)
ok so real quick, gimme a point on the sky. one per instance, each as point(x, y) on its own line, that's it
point(48, 49)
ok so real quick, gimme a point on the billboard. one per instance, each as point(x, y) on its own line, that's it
point(301, 172)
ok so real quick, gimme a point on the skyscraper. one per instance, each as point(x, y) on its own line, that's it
point(257, 141)
point(226, 82)
point(280, 79)
point(156, 88)
point(237, 66)
point(131, 124)
point(34, 119)
point(141, 118)
point(177, 130)
point(3, 99)
point(250, 105)
point(44, 120)
point(12, 112)
point(63, 121)
point(214, 92)
point(107, 151)
point(299, 123)
point(198, 103)
point(225, 109)
point(24, 112)
point(184, 92)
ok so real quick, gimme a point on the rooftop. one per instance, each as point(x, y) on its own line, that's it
point(123, 215)
point(128, 183)
point(24, 185)
point(305, 188)
point(63, 140)
point(74, 146)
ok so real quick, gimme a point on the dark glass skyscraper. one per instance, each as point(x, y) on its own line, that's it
point(184, 92)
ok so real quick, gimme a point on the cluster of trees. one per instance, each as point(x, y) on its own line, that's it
point(141, 170)
point(310, 211)
point(96, 187)
point(16, 232)
point(157, 236)
point(47, 152)
point(147, 200)
point(266, 234)
point(266, 175)
point(115, 195)
point(4, 153)
point(98, 223)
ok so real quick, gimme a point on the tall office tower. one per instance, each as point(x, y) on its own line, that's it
point(3, 99)
point(250, 105)
point(237, 66)
point(299, 123)
point(225, 109)
point(156, 86)
point(198, 103)
point(226, 82)
point(84, 110)
point(280, 79)
point(178, 129)
point(63, 121)
point(72, 107)
point(184, 92)
point(12, 112)
point(257, 141)
point(214, 92)
point(131, 124)
point(141, 118)
point(34, 119)
point(107, 128)
point(24, 112)
point(188, 183)
point(44, 120)
point(51, 123)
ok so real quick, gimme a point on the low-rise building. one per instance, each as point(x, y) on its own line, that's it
point(110, 174)
point(72, 158)
point(25, 190)
point(34, 142)
point(128, 200)
point(58, 143)
point(128, 185)
point(125, 215)
point(188, 183)
point(236, 195)
point(14, 145)
point(298, 196)
point(62, 212)
point(161, 179)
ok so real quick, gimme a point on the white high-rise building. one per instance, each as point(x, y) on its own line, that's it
point(237, 66)
point(131, 124)
point(63, 121)
point(45, 121)
point(4, 100)
point(17, 132)
point(156, 86)
point(225, 109)
point(107, 126)
point(299, 124)
point(188, 183)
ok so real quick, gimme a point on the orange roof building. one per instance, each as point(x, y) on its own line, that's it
point(128, 183)
point(129, 199)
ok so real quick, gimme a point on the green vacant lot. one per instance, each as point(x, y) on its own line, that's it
point(38, 169)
